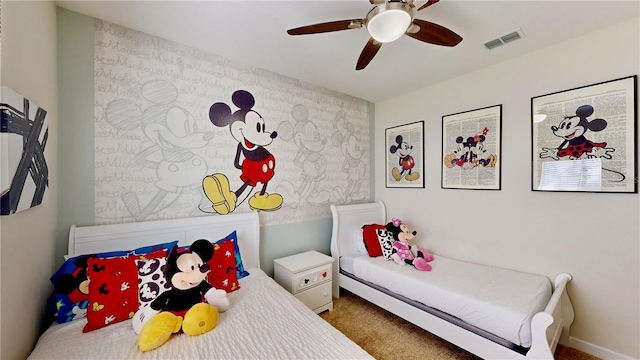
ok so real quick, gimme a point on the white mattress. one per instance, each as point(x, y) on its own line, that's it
point(497, 300)
point(264, 322)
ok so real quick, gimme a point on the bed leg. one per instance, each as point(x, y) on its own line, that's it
point(335, 278)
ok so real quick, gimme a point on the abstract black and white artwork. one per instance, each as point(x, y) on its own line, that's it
point(24, 174)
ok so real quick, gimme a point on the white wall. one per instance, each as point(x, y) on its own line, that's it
point(28, 237)
point(592, 236)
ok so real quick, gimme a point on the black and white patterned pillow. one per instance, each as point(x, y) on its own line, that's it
point(386, 241)
point(151, 280)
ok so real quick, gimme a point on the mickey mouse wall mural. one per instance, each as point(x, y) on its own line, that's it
point(256, 163)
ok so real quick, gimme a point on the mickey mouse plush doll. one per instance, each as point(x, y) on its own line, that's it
point(405, 253)
point(183, 306)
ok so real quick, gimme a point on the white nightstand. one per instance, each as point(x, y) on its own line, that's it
point(308, 277)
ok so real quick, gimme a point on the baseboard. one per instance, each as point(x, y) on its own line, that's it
point(596, 350)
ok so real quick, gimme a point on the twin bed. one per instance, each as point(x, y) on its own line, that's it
point(491, 312)
point(264, 321)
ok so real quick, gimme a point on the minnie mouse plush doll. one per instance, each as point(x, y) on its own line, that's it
point(405, 253)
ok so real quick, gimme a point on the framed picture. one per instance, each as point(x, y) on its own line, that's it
point(405, 156)
point(24, 173)
point(471, 149)
point(585, 140)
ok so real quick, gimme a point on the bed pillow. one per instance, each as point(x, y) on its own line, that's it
point(370, 239)
point(241, 272)
point(113, 291)
point(151, 280)
point(223, 273)
point(70, 284)
point(385, 240)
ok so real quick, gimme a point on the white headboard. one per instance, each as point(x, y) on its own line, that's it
point(100, 238)
point(347, 225)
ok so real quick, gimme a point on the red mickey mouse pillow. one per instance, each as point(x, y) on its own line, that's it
point(370, 238)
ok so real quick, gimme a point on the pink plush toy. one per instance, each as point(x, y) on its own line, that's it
point(403, 251)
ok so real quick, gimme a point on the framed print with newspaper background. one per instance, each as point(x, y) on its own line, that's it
point(471, 149)
point(584, 139)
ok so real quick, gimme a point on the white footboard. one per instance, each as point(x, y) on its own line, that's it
point(548, 328)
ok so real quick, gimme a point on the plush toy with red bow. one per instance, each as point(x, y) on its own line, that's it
point(403, 252)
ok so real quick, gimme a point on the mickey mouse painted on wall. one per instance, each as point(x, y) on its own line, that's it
point(248, 128)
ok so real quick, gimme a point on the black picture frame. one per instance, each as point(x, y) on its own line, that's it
point(472, 149)
point(585, 139)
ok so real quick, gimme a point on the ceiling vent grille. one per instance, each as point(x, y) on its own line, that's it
point(504, 39)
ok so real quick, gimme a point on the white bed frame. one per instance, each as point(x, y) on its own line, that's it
point(100, 238)
point(548, 328)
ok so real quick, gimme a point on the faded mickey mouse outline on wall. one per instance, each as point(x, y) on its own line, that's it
point(584, 139)
point(24, 174)
point(405, 156)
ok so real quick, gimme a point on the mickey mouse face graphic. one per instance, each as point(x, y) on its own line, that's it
point(252, 133)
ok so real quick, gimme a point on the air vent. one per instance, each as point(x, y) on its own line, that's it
point(504, 39)
point(493, 44)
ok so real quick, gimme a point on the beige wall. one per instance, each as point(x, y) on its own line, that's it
point(27, 249)
point(592, 236)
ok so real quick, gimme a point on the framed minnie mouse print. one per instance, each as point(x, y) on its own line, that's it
point(405, 156)
point(471, 149)
point(585, 139)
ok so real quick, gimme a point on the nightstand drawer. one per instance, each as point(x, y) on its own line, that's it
point(310, 278)
point(317, 296)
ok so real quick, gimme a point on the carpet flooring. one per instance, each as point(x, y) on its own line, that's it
point(386, 336)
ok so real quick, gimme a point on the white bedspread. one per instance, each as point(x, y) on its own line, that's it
point(264, 322)
point(497, 300)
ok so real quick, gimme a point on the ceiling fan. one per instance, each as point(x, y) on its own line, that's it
point(387, 21)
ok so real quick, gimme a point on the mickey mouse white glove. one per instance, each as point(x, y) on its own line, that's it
point(218, 298)
point(142, 316)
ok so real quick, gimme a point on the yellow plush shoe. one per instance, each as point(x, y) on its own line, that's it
point(216, 188)
point(200, 319)
point(266, 202)
point(158, 330)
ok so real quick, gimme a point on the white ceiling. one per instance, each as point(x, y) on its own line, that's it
point(254, 33)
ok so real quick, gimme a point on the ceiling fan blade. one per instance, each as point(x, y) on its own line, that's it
point(326, 27)
point(375, 2)
point(370, 50)
point(433, 33)
point(427, 4)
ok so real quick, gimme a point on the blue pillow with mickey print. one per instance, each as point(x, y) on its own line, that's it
point(70, 299)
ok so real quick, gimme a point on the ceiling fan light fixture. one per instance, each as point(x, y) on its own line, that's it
point(388, 22)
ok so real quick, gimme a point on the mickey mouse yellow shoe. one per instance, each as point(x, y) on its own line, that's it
point(216, 188)
point(266, 202)
point(158, 330)
point(412, 177)
point(396, 174)
point(200, 319)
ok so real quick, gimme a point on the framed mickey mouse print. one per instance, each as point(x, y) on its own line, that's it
point(405, 156)
point(584, 139)
point(471, 149)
